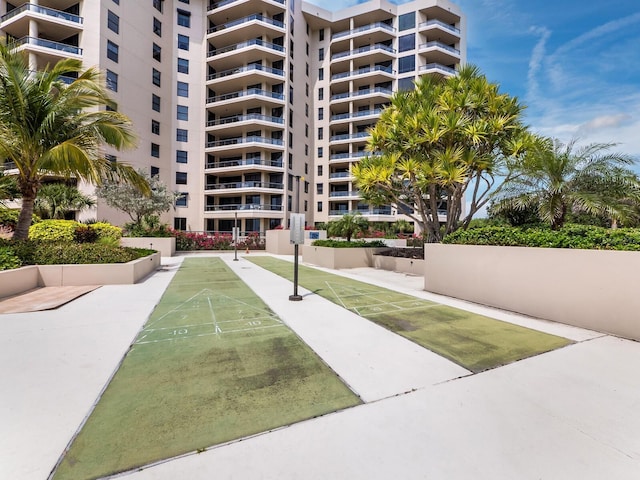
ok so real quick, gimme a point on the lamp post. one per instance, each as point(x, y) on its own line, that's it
point(236, 234)
point(295, 226)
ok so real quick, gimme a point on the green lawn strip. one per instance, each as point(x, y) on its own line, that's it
point(473, 341)
point(212, 364)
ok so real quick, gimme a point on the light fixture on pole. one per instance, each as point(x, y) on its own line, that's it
point(296, 231)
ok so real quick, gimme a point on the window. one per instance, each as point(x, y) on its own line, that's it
point(407, 42)
point(319, 188)
point(182, 135)
point(181, 156)
point(117, 2)
point(291, 72)
point(183, 65)
point(291, 95)
point(157, 52)
point(184, 18)
point(290, 163)
point(181, 201)
point(184, 1)
point(306, 69)
point(306, 149)
point(306, 205)
point(291, 48)
point(155, 151)
point(183, 42)
point(406, 64)
point(291, 118)
point(407, 21)
point(320, 170)
point(112, 81)
point(306, 89)
point(181, 178)
point(182, 112)
point(180, 223)
point(111, 158)
point(155, 77)
point(306, 172)
point(183, 89)
point(290, 182)
point(290, 139)
point(112, 51)
point(320, 133)
point(155, 171)
point(157, 27)
point(320, 113)
point(319, 206)
point(155, 102)
point(320, 152)
point(321, 74)
point(306, 186)
point(155, 127)
point(113, 22)
point(321, 54)
point(405, 84)
point(289, 205)
point(321, 93)
point(306, 109)
point(321, 34)
point(306, 130)
point(307, 49)
point(157, 4)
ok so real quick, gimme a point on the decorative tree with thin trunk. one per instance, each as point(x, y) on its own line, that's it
point(48, 128)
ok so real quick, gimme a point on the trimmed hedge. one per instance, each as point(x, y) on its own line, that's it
point(345, 244)
point(570, 236)
point(9, 217)
point(54, 230)
point(8, 259)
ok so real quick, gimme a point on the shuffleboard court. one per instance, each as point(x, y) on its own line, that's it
point(212, 364)
point(473, 341)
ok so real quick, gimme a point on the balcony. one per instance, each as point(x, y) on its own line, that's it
point(364, 28)
point(437, 68)
point(340, 175)
point(252, 118)
point(245, 164)
point(48, 12)
point(251, 71)
point(362, 211)
point(360, 93)
point(248, 43)
point(245, 210)
point(435, 28)
point(345, 194)
point(385, 50)
point(241, 142)
point(225, 10)
point(47, 46)
point(438, 52)
point(253, 185)
point(362, 114)
point(362, 71)
point(349, 137)
point(345, 157)
point(251, 26)
point(224, 3)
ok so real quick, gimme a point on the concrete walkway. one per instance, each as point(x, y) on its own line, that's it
point(569, 414)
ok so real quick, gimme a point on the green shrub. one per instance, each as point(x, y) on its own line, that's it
point(8, 259)
point(54, 230)
point(57, 253)
point(106, 231)
point(9, 217)
point(570, 236)
point(345, 244)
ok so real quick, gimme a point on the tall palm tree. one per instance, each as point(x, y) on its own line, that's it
point(56, 200)
point(48, 128)
point(556, 179)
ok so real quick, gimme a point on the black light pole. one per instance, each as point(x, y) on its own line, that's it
point(235, 232)
point(295, 297)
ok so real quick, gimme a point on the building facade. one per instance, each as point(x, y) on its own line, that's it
point(252, 109)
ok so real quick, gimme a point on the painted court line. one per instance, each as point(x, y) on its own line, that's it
point(210, 323)
point(216, 333)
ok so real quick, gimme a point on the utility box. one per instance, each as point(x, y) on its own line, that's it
point(296, 232)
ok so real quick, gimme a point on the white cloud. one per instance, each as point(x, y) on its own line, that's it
point(604, 122)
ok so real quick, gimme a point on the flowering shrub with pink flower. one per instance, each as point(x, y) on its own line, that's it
point(215, 241)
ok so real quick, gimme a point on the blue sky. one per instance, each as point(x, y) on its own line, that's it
point(575, 64)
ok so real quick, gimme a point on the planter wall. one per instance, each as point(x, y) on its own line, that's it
point(593, 289)
point(19, 280)
point(337, 258)
point(165, 245)
point(278, 241)
point(399, 264)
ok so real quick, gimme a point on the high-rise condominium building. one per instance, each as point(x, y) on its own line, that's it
point(250, 108)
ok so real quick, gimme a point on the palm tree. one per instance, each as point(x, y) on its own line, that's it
point(56, 200)
point(556, 179)
point(348, 225)
point(48, 128)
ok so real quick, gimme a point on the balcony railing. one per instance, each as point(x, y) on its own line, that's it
point(245, 118)
point(40, 42)
point(347, 136)
point(361, 113)
point(362, 71)
point(439, 45)
point(248, 161)
point(363, 29)
point(223, 3)
point(368, 48)
point(243, 206)
point(247, 68)
point(248, 43)
point(250, 18)
point(244, 93)
point(240, 140)
point(368, 211)
point(353, 193)
point(49, 12)
point(340, 175)
point(441, 24)
point(437, 66)
point(234, 185)
point(7, 166)
point(342, 156)
point(360, 93)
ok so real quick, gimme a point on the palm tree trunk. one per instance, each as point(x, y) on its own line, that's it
point(26, 214)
